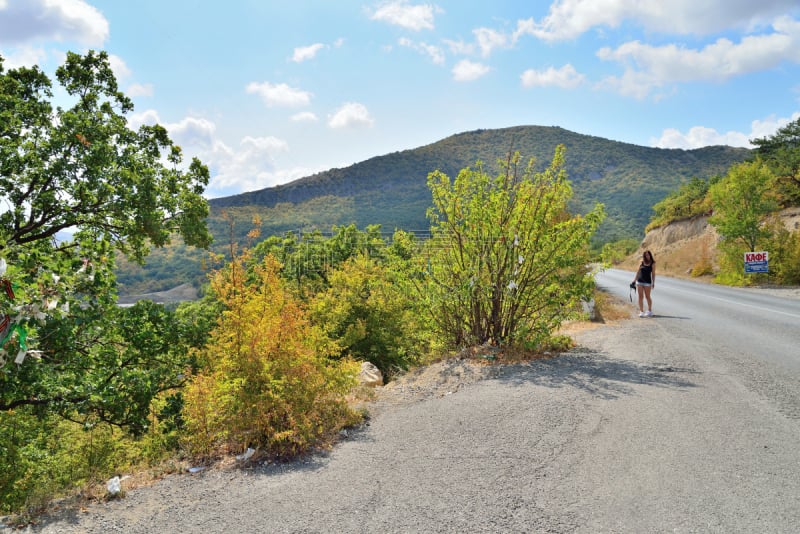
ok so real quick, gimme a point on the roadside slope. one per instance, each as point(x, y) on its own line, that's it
point(648, 426)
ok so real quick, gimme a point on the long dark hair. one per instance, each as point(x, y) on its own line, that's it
point(645, 254)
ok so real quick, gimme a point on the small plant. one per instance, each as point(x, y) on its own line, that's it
point(703, 265)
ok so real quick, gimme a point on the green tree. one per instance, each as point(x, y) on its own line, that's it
point(507, 263)
point(689, 200)
point(781, 151)
point(741, 200)
point(307, 260)
point(81, 169)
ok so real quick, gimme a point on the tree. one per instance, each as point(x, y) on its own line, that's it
point(689, 200)
point(306, 260)
point(507, 262)
point(781, 152)
point(741, 200)
point(82, 170)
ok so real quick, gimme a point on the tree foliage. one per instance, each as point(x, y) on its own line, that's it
point(80, 168)
point(781, 152)
point(370, 311)
point(688, 200)
point(741, 200)
point(507, 263)
point(307, 259)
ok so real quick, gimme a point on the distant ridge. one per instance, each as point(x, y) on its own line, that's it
point(391, 189)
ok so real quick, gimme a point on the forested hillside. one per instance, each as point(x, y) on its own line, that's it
point(391, 190)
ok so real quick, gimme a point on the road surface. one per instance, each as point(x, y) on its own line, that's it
point(685, 422)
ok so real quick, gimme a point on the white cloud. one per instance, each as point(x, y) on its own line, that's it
point(304, 116)
point(569, 19)
point(23, 56)
point(195, 132)
point(27, 21)
point(305, 53)
point(467, 71)
point(249, 167)
point(119, 67)
point(246, 167)
point(700, 136)
point(489, 39)
point(411, 17)
point(192, 132)
point(566, 77)
point(648, 67)
point(460, 47)
point(139, 89)
point(434, 52)
point(697, 137)
point(279, 94)
point(351, 115)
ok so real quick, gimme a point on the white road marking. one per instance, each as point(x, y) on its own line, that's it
point(796, 316)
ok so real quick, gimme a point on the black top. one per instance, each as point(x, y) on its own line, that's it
point(645, 273)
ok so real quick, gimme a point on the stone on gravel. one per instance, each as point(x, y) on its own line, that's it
point(370, 375)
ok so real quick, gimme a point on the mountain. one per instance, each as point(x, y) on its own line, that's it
point(391, 190)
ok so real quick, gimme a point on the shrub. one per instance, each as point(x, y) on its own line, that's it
point(370, 314)
point(784, 250)
point(506, 262)
point(45, 458)
point(267, 381)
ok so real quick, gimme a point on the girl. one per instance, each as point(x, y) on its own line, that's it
point(645, 281)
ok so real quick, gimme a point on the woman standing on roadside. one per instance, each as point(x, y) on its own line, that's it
point(645, 281)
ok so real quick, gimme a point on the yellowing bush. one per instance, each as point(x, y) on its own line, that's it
point(268, 382)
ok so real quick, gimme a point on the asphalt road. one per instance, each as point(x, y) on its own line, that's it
point(685, 422)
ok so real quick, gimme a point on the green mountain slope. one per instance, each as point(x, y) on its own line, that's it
point(391, 189)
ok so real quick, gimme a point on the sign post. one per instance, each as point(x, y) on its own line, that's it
point(756, 262)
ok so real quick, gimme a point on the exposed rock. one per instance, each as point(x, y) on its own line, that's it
point(681, 246)
point(370, 375)
point(673, 233)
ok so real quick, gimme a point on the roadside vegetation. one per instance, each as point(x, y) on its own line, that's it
point(743, 206)
point(267, 359)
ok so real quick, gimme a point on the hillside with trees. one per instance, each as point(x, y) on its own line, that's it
point(751, 207)
point(391, 191)
point(267, 360)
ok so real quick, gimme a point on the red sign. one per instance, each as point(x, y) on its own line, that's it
point(756, 262)
point(750, 257)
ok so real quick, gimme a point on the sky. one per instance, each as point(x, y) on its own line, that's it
point(265, 92)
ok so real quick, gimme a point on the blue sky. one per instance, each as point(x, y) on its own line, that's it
point(266, 92)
